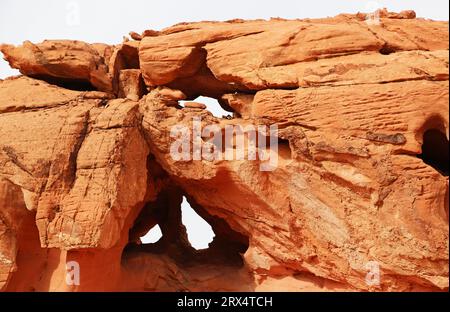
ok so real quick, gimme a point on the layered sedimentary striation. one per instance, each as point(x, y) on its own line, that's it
point(361, 177)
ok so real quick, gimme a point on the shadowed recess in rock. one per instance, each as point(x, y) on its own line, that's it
point(435, 150)
point(67, 83)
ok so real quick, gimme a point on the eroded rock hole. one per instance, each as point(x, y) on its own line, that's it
point(200, 233)
point(435, 150)
point(188, 233)
point(283, 146)
point(152, 236)
point(284, 149)
point(210, 104)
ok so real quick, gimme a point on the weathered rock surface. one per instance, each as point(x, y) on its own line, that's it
point(361, 177)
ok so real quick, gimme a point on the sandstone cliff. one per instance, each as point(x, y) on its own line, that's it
point(362, 173)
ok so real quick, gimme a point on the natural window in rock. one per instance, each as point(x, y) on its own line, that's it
point(189, 234)
point(435, 150)
point(152, 236)
point(6, 71)
point(199, 232)
point(212, 105)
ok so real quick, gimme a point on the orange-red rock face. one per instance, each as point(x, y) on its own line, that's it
point(361, 177)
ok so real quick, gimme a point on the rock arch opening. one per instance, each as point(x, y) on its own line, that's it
point(210, 104)
point(152, 236)
point(199, 232)
point(188, 233)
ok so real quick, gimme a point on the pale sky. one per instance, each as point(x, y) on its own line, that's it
point(108, 20)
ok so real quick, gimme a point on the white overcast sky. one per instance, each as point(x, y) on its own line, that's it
point(108, 20)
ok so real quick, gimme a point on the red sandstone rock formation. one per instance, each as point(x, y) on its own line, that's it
point(362, 174)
